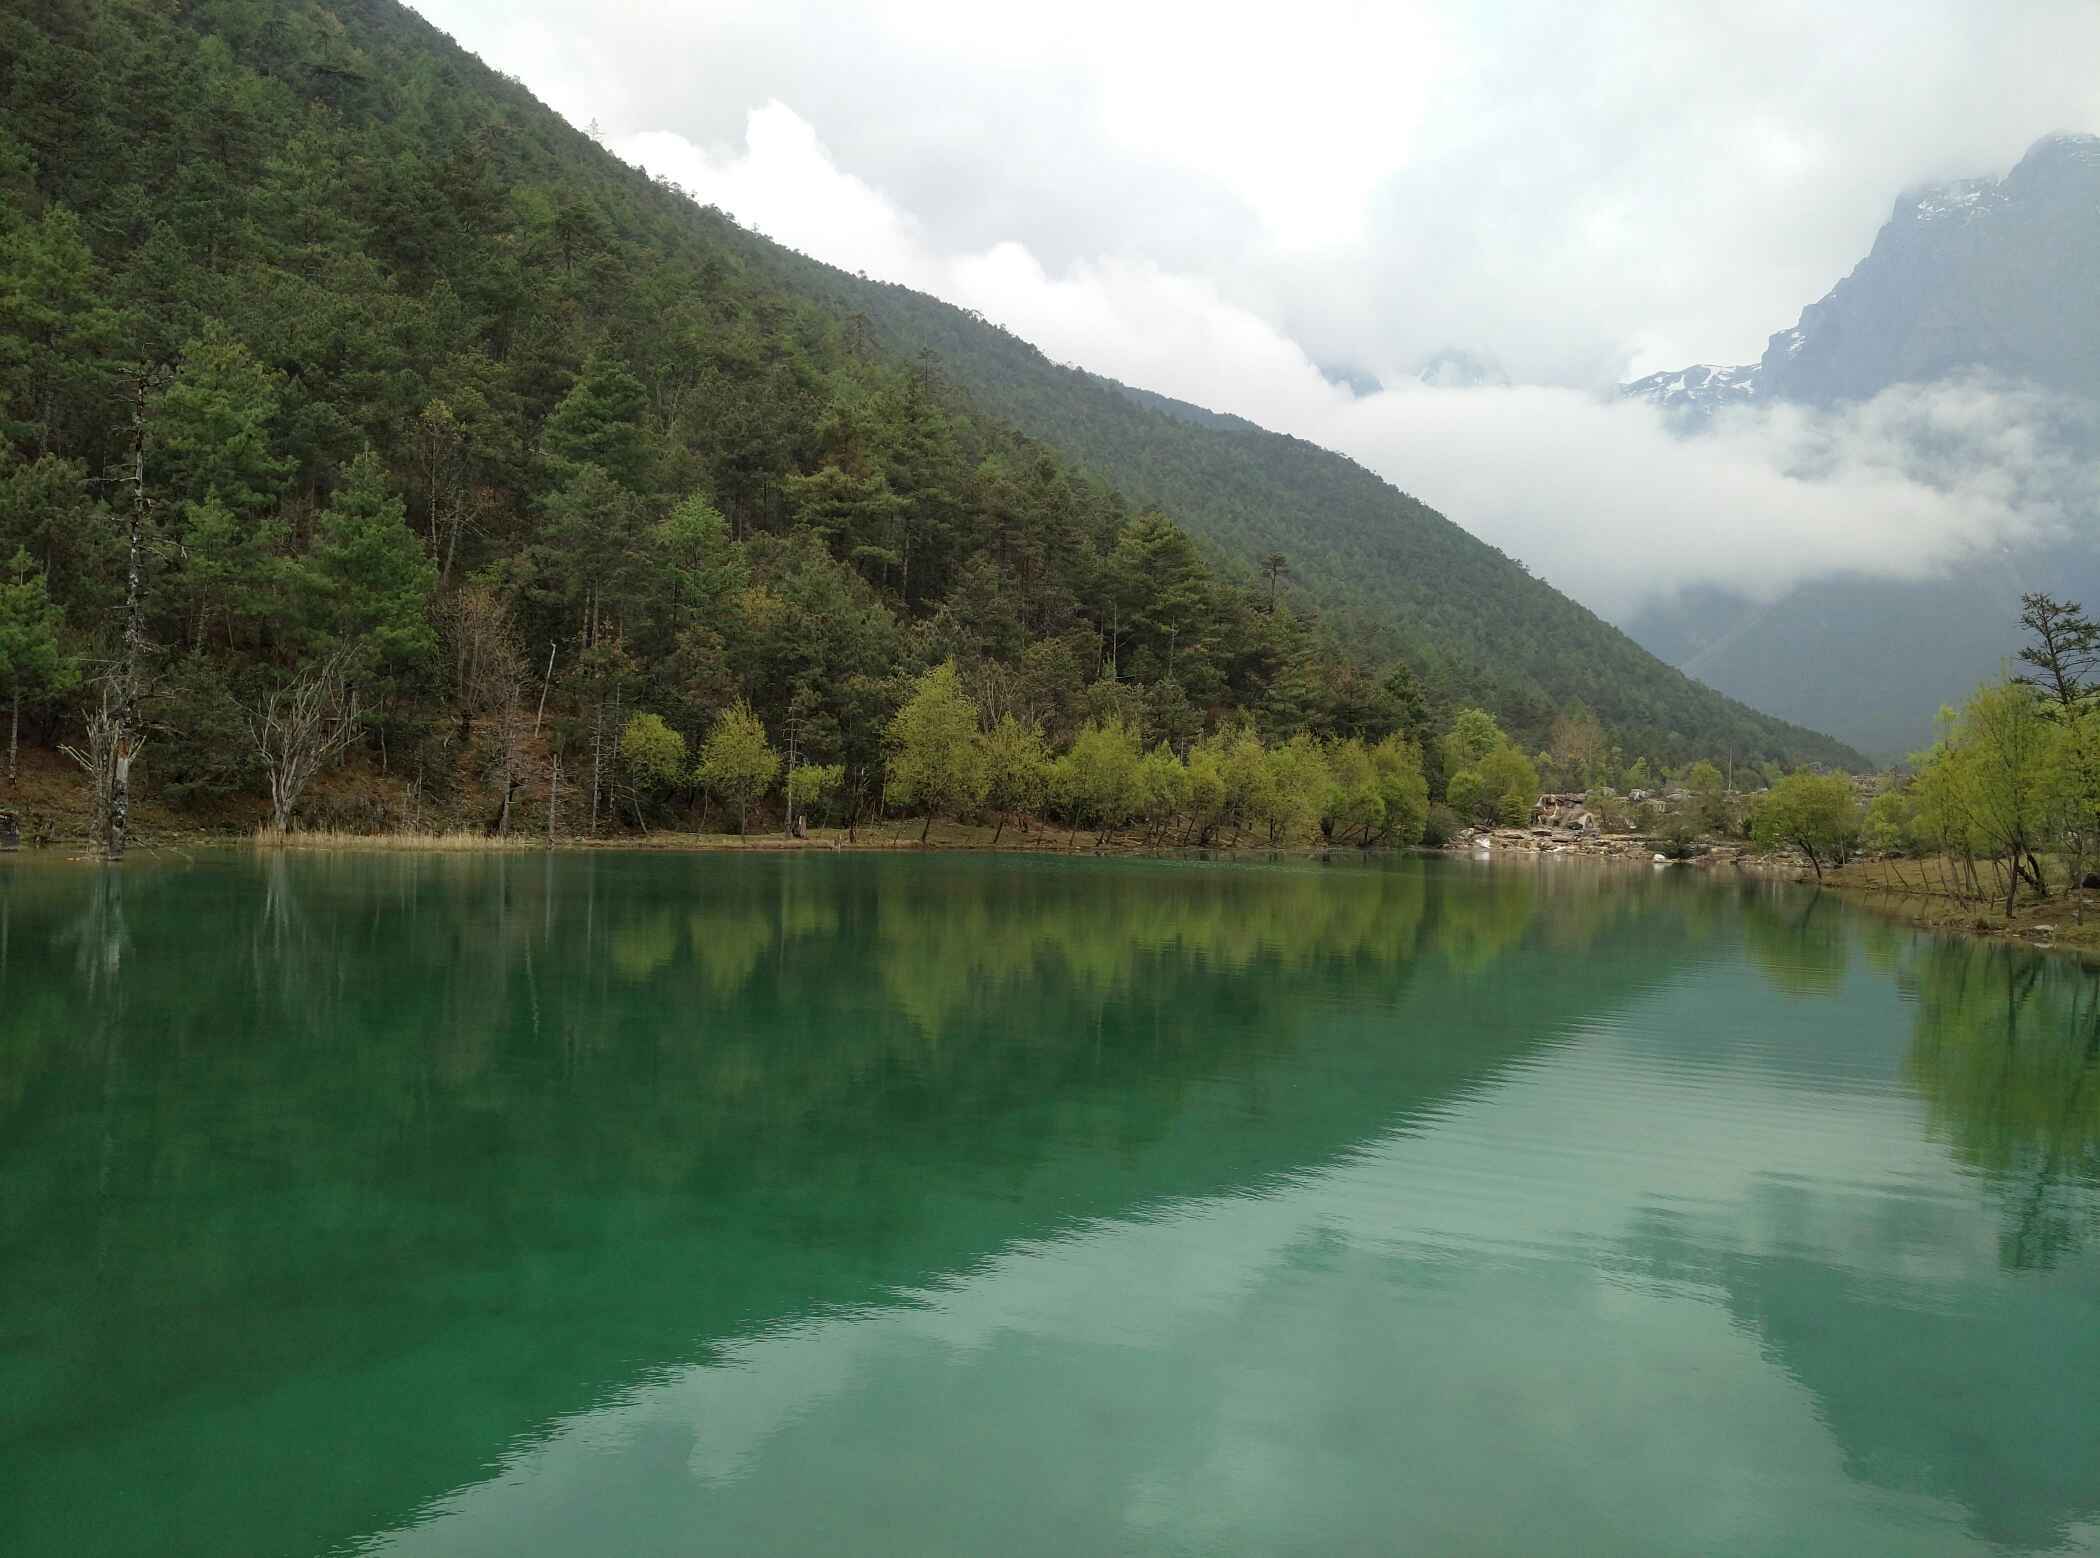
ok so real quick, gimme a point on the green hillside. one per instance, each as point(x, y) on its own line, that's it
point(1402, 576)
point(429, 384)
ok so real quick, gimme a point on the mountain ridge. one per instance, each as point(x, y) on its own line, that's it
point(1984, 282)
point(1929, 227)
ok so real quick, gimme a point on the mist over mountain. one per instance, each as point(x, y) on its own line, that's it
point(1977, 293)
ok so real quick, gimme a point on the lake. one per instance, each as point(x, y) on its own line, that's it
point(926, 1204)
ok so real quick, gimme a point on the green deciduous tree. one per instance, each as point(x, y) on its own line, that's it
point(1298, 785)
point(1487, 777)
point(814, 787)
point(737, 763)
point(1099, 776)
point(1709, 794)
point(1991, 785)
point(1016, 768)
point(1355, 802)
point(1160, 789)
point(1397, 765)
point(652, 752)
point(1473, 735)
point(1814, 813)
point(936, 759)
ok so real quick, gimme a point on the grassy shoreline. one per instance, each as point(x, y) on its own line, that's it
point(901, 835)
point(1902, 890)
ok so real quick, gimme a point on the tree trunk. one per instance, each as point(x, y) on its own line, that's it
point(996, 832)
point(119, 802)
point(597, 760)
point(14, 732)
point(134, 635)
point(927, 829)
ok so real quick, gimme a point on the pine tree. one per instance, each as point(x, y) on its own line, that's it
point(369, 580)
point(33, 660)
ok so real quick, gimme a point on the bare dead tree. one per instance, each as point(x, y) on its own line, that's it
point(493, 676)
point(298, 727)
point(98, 756)
point(482, 638)
point(437, 448)
point(508, 747)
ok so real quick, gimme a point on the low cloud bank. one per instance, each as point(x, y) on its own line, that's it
point(1596, 495)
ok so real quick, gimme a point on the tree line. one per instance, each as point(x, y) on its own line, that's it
point(2006, 800)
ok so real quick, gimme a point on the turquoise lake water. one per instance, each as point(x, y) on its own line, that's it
point(928, 1204)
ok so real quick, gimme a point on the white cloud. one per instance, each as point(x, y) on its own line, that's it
point(1574, 189)
point(1596, 495)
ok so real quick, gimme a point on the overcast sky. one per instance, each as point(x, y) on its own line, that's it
point(1219, 201)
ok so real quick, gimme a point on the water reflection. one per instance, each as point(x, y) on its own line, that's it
point(2007, 1059)
point(1620, 1211)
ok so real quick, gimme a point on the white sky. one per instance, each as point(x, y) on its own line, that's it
point(1211, 201)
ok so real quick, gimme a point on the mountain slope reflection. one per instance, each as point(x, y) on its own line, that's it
point(1584, 1306)
point(459, 1146)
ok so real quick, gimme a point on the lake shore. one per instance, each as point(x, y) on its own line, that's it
point(1900, 890)
point(1903, 890)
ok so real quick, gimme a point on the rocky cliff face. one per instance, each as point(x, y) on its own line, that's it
point(1990, 274)
point(1997, 276)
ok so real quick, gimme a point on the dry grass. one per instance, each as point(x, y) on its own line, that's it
point(462, 841)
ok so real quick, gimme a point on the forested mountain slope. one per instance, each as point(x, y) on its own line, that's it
point(428, 383)
point(1405, 577)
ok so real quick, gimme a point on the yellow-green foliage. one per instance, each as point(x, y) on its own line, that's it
point(1160, 787)
point(652, 751)
point(812, 786)
point(1100, 774)
point(1489, 779)
point(1016, 765)
point(737, 763)
point(1814, 813)
point(937, 761)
